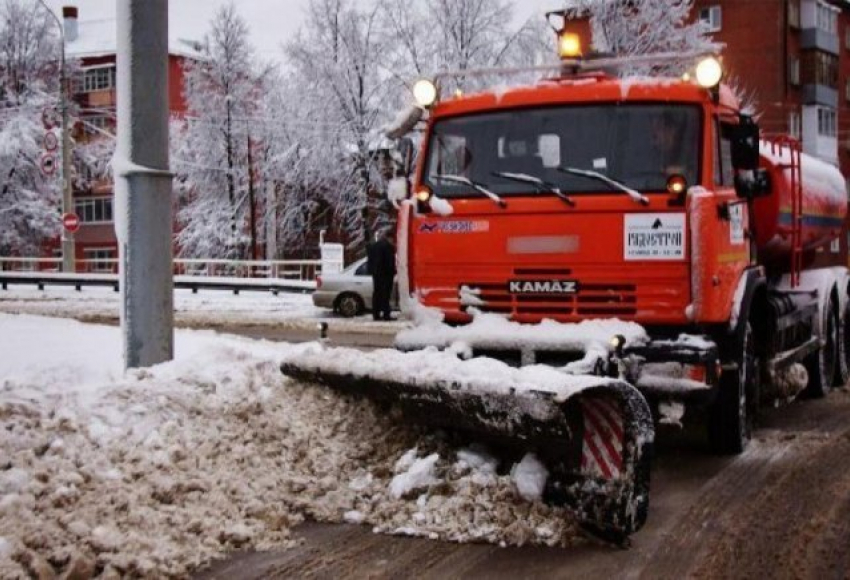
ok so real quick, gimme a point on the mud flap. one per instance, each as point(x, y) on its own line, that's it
point(596, 440)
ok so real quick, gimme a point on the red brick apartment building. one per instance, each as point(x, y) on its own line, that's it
point(92, 43)
point(793, 58)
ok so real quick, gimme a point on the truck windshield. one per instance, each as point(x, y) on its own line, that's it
point(639, 146)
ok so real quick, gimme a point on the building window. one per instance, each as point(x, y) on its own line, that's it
point(98, 79)
point(92, 123)
point(794, 13)
point(795, 127)
point(827, 122)
point(820, 68)
point(794, 70)
point(94, 210)
point(712, 18)
point(847, 90)
point(99, 259)
point(827, 18)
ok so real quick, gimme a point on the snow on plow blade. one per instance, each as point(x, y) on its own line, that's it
point(594, 434)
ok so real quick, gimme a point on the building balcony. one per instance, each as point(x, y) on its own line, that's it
point(104, 99)
point(818, 39)
point(817, 94)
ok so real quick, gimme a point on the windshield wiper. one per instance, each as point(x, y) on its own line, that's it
point(473, 184)
point(542, 186)
point(633, 193)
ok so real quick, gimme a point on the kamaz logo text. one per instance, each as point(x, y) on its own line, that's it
point(542, 286)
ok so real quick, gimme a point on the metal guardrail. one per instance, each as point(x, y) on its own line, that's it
point(193, 283)
point(280, 269)
point(254, 275)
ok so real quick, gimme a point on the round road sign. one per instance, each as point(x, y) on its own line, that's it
point(51, 141)
point(71, 222)
point(48, 164)
point(49, 118)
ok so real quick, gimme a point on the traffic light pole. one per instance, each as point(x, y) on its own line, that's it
point(143, 221)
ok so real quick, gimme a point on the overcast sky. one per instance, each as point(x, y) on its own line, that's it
point(271, 21)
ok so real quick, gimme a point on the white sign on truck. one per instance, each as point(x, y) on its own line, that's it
point(654, 236)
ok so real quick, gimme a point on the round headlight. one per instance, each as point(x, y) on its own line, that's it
point(425, 93)
point(709, 72)
point(423, 195)
point(677, 184)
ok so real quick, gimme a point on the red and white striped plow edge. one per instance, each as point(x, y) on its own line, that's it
point(602, 448)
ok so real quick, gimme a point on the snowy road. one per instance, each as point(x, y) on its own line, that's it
point(286, 317)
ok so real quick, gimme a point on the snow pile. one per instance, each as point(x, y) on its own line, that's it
point(434, 369)
point(158, 471)
point(671, 413)
point(791, 381)
point(491, 331)
point(469, 500)
point(417, 474)
point(470, 296)
point(530, 476)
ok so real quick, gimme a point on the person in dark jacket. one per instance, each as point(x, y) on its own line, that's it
point(381, 258)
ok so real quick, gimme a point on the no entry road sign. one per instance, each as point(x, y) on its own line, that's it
point(71, 222)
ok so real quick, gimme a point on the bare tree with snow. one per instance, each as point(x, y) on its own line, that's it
point(434, 35)
point(222, 90)
point(29, 200)
point(640, 27)
point(338, 59)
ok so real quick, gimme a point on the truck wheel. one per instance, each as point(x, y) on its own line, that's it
point(730, 417)
point(822, 364)
point(842, 369)
point(349, 305)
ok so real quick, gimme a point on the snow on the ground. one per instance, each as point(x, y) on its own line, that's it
point(204, 309)
point(156, 472)
point(493, 331)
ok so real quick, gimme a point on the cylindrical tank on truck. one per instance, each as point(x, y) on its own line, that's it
point(822, 211)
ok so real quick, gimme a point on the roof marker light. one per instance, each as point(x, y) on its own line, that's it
point(569, 45)
point(709, 72)
point(425, 93)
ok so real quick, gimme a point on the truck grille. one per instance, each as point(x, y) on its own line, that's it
point(592, 299)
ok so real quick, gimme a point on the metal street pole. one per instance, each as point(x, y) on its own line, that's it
point(68, 246)
point(143, 223)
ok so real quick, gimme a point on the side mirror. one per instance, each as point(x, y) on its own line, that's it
point(745, 145)
point(752, 184)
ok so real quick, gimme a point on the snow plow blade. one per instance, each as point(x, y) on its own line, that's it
point(593, 433)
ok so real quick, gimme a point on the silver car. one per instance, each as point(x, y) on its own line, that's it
point(348, 293)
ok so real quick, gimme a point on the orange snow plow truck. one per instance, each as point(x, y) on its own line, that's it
point(603, 254)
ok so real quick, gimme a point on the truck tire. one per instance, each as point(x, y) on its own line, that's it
point(821, 365)
point(730, 417)
point(842, 369)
